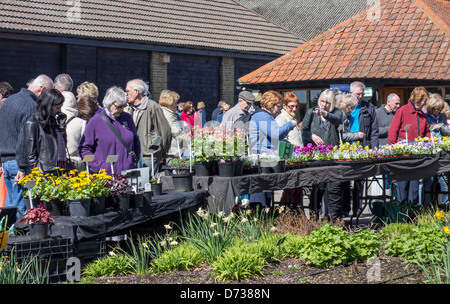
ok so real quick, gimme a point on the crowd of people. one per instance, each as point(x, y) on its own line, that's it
point(45, 125)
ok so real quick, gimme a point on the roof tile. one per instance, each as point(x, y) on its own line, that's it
point(387, 47)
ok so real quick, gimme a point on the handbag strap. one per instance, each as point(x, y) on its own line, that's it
point(116, 133)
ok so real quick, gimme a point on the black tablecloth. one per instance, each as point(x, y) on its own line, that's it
point(223, 190)
point(113, 220)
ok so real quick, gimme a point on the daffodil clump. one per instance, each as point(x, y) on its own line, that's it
point(66, 186)
point(353, 150)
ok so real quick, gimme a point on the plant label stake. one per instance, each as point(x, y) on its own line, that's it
point(87, 159)
point(112, 159)
point(152, 148)
point(30, 184)
point(406, 131)
point(341, 126)
point(279, 242)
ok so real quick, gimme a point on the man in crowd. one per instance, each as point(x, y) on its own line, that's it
point(150, 122)
point(15, 111)
point(245, 101)
point(63, 82)
point(385, 114)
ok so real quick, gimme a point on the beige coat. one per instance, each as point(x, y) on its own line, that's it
point(150, 122)
point(294, 136)
point(75, 130)
point(179, 129)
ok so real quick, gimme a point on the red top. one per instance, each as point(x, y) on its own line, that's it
point(408, 115)
point(189, 119)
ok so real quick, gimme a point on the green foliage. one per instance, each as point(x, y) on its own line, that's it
point(184, 256)
point(294, 245)
point(239, 263)
point(421, 243)
point(29, 271)
point(366, 243)
point(110, 265)
point(328, 246)
point(393, 230)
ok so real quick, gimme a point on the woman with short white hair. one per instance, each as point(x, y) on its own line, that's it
point(100, 140)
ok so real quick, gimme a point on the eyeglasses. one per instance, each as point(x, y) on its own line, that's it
point(292, 106)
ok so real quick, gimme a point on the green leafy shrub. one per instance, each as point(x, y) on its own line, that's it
point(328, 246)
point(110, 265)
point(366, 244)
point(421, 243)
point(294, 246)
point(184, 256)
point(238, 263)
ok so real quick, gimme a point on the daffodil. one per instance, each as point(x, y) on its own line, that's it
point(446, 230)
point(439, 215)
point(216, 234)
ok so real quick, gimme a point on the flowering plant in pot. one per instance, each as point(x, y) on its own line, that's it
point(120, 190)
point(38, 220)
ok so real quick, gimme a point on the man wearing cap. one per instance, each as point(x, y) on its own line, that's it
point(245, 101)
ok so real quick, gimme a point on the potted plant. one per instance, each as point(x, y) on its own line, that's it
point(120, 191)
point(99, 190)
point(78, 195)
point(156, 186)
point(38, 220)
point(182, 177)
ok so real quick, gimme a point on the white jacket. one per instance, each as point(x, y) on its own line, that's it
point(294, 136)
point(75, 130)
point(179, 129)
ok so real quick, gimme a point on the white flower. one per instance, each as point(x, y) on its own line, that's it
point(112, 253)
point(221, 214)
point(200, 211)
point(273, 229)
point(145, 245)
point(174, 243)
point(162, 243)
point(267, 210)
point(226, 219)
point(244, 220)
point(249, 211)
point(244, 202)
point(255, 219)
point(167, 227)
point(216, 234)
point(213, 225)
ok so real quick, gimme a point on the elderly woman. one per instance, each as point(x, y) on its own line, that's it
point(168, 102)
point(320, 127)
point(101, 141)
point(410, 114)
point(44, 134)
point(438, 128)
point(265, 133)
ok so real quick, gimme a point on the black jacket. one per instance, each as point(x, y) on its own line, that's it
point(41, 146)
point(368, 124)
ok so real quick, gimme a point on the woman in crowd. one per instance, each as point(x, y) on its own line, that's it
point(44, 134)
point(168, 102)
point(437, 122)
point(294, 137)
point(265, 133)
point(347, 103)
point(87, 107)
point(202, 112)
point(410, 114)
point(74, 129)
point(189, 116)
point(320, 127)
point(101, 141)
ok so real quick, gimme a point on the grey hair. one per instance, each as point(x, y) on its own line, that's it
point(356, 84)
point(328, 94)
point(391, 96)
point(114, 94)
point(42, 81)
point(140, 85)
point(63, 81)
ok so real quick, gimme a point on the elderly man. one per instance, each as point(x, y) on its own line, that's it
point(150, 122)
point(16, 110)
point(363, 118)
point(245, 101)
point(385, 114)
point(63, 82)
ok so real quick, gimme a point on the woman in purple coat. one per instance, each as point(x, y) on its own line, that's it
point(100, 140)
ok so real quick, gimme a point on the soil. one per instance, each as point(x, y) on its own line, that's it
point(392, 270)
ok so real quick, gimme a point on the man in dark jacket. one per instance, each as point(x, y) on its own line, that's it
point(17, 109)
point(363, 118)
point(385, 114)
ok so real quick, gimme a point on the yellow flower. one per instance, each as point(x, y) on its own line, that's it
point(439, 215)
point(446, 230)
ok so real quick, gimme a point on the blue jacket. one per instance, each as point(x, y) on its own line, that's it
point(265, 134)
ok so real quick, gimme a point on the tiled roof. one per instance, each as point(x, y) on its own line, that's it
point(210, 24)
point(306, 18)
point(392, 39)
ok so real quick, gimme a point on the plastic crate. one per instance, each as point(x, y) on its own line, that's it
point(23, 247)
point(90, 249)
